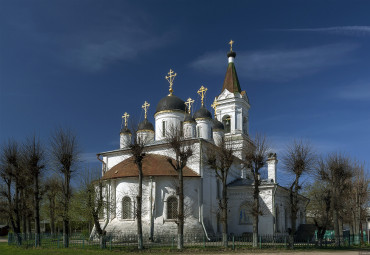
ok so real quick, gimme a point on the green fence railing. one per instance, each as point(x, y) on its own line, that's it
point(119, 241)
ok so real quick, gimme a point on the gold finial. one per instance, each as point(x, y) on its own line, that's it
point(231, 45)
point(202, 92)
point(188, 103)
point(171, 76)
point(145, 106)
point(214, 106)
point(125, 116)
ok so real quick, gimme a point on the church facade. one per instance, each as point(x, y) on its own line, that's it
point(202, 190)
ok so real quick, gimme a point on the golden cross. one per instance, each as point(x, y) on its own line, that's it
point(214, 106)
point(202, 91)
point(125, 116)
point(171, 76)
point(145, 106)
point(188, 103)
point(231, 45)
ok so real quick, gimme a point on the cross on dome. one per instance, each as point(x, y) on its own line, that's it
point(170, 78)
point(214, 106)
point(231, 45)
point(188, 103)
point(145, 106)
point(202, 92)
point(125, 116)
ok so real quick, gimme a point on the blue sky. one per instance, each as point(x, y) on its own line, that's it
point(81, 64)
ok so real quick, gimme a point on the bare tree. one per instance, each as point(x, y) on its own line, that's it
point(33, 159)
point(220, 159)
point(298, 160)
point(11, 175)
point(137, 149)
point(65, 155)
point(92, 201)
point(183, 151)
point(254, 160)
point(358, 196)
point(336, 171)
point(319, 208)
point(53, 188)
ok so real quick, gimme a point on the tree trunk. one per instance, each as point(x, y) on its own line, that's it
point(180, 229)
point(139, 209)
point(224, 214)
point(336, 227)
point(37, 212)
point(24, 216)
point(256, 209)
point(52, 216)
point(66, 209)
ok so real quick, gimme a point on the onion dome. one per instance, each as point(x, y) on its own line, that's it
point(231, 54)
point(125, 130)
point(145, 125)
point(217, 125)
point(188, 118)
point(170, 103)
point(202, 113)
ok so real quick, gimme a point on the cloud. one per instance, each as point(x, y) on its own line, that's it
point(342, 30)
point(358, 91)
point(282, 64)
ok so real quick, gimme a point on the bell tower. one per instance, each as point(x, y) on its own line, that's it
point(233, 104)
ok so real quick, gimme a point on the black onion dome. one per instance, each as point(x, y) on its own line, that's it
point(202, 113)
point(145, 125)
point(188, 118)
point(231, 54)
point(125, 130)
point(217, 125)
point(170, 103)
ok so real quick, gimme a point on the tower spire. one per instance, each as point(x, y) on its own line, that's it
point(231, 82)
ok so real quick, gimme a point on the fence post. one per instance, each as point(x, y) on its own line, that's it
point(260, 242)
point(233, 242)
point(285, 241)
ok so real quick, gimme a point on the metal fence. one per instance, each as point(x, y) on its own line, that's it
point(165, 241)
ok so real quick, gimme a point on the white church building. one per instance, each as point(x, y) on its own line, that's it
point(201, 188)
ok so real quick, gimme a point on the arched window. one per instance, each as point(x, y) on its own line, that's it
point(226, 120)
point(126, 208)
point(245, 216)
point(172, 208)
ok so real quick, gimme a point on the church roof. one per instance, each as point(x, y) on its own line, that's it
point(231, 82)
point(153, 165)
point(145, 125)
point(170, 102)
point(202, 113)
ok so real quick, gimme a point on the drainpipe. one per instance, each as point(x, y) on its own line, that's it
point(201, 188)
point(151, 210)
point(274, 207)
point(102, 161)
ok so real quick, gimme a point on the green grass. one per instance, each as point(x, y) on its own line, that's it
point(5, 249)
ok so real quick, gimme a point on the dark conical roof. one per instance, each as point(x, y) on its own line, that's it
point(145, 125)
point(188, 118)
point(231, 82)
point(217, 125)
point(202, 113)
point(170, 103)
point(125, 130)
